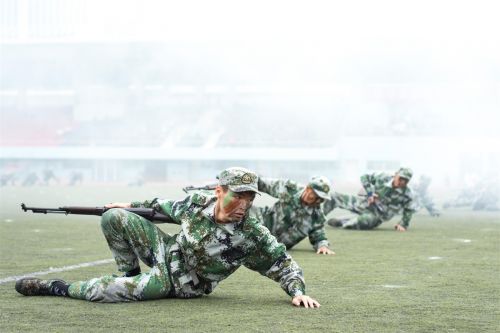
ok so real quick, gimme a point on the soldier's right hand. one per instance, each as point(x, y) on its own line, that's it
point(372, 199)
point(399, 227)
point(324, 250)
point(305, 301)
point(118, 205)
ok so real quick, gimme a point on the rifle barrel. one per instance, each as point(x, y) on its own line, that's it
point(208, 187)
point(147, 213)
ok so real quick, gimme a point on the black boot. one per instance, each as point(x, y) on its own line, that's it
point(31, 286)
point(336, 223)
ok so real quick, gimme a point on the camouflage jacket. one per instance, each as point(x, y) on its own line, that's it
point(392, 200)
point(206, 252)
point(288, 220)
point(423, 200)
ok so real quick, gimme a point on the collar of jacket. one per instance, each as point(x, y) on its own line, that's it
point(209, 213)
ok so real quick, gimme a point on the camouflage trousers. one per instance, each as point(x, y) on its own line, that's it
point(131, 238)
point(367, 217)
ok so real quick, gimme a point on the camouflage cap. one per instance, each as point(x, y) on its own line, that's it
point(239, 179)
point(321, 186)
point(405, 173)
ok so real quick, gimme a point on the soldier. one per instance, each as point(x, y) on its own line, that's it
point(8, 178)
point(386, 196)
point(49, 175)
point(422, 198)
point(465, 198)
point(76, 178)
point(481, 196)
point(488, 197)
point(217, 236)
point(31, 179)
point(297, 213)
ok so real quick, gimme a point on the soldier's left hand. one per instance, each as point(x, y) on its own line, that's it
point(305, 301)
point(399, 228)
point(118, 205)
point(324, 250)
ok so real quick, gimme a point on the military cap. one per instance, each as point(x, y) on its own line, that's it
point(239, 179)
point(321, 186)
point(405, 173)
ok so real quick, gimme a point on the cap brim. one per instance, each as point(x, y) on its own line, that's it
point(322, 195)
point(243, 188)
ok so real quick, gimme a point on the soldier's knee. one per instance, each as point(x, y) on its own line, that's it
point(112, 217)
point(366, 221)
point(97, 292)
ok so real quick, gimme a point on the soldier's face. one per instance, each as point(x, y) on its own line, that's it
point(310, 198)
point(233, 206)
point(400, 182)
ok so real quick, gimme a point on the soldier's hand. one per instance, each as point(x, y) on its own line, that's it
point(305, 301)
point(372, 199)
point(118, 205)
point(324, 250)
point(399, 227)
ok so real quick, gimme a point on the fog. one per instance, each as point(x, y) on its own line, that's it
point(119, 90)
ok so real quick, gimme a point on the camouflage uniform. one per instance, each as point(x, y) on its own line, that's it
point(289, 220)
point(422, 198)
point(482, 196)
point(488, 198)
point(192, 262)
point(392, 201)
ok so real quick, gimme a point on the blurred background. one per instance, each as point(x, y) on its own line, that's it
point(136, 92)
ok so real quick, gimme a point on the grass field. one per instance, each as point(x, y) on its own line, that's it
point(441, 276)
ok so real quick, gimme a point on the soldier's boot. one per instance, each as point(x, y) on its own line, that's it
point(31, 286)
point(351, 224)
point(336, 222)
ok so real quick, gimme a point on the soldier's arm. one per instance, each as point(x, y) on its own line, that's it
point(408, 211)
point(143, 204)
point(317, 236)
point(274, 187)
point(329, 205)
point(407, 215)
point(322, 246)
point(171, 208)
point(339, 200)
point(429, 205)
point(271, 260)
point(368, 182)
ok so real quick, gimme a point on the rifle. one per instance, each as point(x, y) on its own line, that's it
point(147, 213)
point(377, 205)
point(194, 188)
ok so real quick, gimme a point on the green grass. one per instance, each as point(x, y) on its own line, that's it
point(379, 281)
